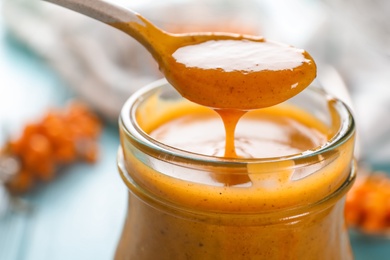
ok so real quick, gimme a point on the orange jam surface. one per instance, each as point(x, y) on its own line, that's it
point(264, 133)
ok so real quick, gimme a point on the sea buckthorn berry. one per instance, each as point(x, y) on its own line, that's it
point(21, 183)
point(62, 137)
point(368, 204)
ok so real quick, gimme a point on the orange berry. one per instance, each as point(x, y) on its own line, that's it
point(17, 146)
point(56, 139)
point(65, 151)
point(368, 204)
point(53, 126)
point(21, 182)
point(45, 170)
point(38, 149)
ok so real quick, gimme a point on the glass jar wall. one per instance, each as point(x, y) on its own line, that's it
point(183, 205)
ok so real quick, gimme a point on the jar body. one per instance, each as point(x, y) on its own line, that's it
point(170, 217)
point(155, 232)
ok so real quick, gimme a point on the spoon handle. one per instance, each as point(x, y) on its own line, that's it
point(103, 10)
point(119, 17)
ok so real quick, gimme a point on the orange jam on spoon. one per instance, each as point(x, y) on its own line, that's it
point(227, 71)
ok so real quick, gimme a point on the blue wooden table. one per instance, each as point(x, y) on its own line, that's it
point(80, 214)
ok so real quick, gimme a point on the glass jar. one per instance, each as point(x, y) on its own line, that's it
point(292, 208)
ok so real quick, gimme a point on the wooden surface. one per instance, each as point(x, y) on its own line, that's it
point(80, 214)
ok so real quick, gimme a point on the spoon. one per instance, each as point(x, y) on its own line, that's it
point(218, 70)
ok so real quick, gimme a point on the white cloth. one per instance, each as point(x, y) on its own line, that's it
point(357, 43)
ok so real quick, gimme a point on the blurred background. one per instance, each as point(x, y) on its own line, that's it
point(51, 56)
